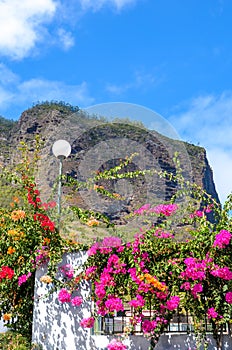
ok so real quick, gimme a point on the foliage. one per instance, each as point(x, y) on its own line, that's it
point(28, 238)
point(157, 271)
point(13, 341)
point(6, 126)
point(56, 105)
point(154, 271)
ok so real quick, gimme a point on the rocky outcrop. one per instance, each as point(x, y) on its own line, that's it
point(99, 145)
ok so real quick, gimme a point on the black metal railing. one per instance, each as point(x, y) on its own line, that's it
point(120, 322)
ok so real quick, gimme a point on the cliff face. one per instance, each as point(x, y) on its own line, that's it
point(99, 145)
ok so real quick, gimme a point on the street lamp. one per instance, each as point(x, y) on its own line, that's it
point(61, 150)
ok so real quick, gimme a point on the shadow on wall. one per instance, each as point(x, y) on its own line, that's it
point(56, 325)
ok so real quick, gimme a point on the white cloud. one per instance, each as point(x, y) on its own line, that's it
point(26, 23)
point(7, 76)
point(5, 97)
point(22, 24)
point(66, 38)
point(207, 121)
point(14, 92)
point(221, 162)
point(98, 4)
point(41, 90)
point(140, 80)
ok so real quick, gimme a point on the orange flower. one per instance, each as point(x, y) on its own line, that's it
point(95, 187)
point(10, 250)
point(12, 232)
point(17, 235)
point(16, 199)
point(46, 240)
point(116, 195)
point(18, 214)
point(21, 259)
point(92, 222)
point(153, 281)
point(46, 279)
point(6, 317)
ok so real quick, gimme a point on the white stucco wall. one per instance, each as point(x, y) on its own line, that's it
point(56, 325)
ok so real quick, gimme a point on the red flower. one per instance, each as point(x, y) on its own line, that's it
point(6, 272)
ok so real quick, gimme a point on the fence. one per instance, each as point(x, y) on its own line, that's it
point(119, 323)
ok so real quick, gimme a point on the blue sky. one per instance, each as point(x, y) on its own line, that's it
point(171, 56)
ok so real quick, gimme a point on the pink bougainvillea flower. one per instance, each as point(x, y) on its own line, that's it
point(105, 246)
point(222, 272)
point(143, 209)
point(163, 234)
point(67, 270)
point(76, 301)
point(212, 313)
point(90, 270)
point(64, 296)
point(186, 286)
point(222, 239)
point(195, 270)
point(100, 290)
point(116, 345)
point(165, 209)
point(111, 241)
point(197, 288)
point(228, 297)
point(138, 302)
point(22, 279)
point(114, 304)
point(173, 303)
point(93, 249)
point(148, 326)
point(87, 322)
point(197, 213)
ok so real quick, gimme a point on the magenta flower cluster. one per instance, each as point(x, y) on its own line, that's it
point(228, 297)
point(164, 209)
point(195, 269)
point(144, 284)
point(67, 270)
point(163, 234)
point(42, 256)
point(148, 326)
point(23, 278)
point(222, 239)
point(173, 303)
point(116, 345)
point(87, 322)
point(105, 247)
point(65, 296)
point(212, 313)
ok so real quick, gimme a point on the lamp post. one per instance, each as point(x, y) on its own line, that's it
point(61, 150)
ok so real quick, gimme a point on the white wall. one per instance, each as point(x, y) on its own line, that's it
point(56, 325)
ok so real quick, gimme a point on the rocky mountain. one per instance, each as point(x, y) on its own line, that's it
point(98, 145)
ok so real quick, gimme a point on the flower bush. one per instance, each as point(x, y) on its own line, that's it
point(28, 239)
point(155, 271)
